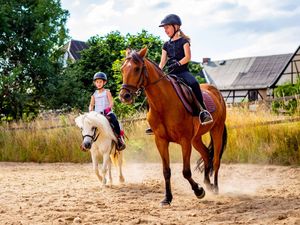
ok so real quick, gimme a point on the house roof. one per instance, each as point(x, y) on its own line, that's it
point(247, 73)
point(74, 47)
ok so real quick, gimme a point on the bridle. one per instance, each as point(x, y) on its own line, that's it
point(139, 88)
point(94, 137)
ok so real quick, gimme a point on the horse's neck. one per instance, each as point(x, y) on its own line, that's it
point(159, 91)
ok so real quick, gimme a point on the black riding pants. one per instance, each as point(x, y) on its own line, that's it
point(115, 123)
point(191, 81)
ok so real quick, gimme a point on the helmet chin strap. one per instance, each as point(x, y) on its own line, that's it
point(175, 31)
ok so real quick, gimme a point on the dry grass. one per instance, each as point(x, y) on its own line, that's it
point(248, 142)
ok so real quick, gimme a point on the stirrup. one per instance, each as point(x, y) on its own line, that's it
point(209, 117)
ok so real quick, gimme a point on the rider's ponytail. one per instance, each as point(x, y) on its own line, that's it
point(184, 36)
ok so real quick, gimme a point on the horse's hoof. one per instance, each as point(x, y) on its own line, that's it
point(199, 192)
point(165, 203)
point(121, 179)
point(209, 186)
point(215, 190)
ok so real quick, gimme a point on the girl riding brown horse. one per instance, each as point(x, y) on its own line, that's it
point(171, 122)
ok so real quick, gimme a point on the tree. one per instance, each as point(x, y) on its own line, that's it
point(30, 31)
point(105, 54)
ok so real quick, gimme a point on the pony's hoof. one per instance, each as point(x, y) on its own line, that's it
point(199, 192)
point(121, 179)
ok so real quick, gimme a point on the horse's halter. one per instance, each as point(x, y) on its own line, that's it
point(135, 91)
point(94, 137)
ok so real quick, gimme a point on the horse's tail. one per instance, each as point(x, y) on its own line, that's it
point(200, 162)
point(224, 141)
point(115, 155)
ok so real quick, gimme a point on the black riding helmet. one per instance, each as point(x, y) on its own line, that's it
point(171, 19)
point(100, 75)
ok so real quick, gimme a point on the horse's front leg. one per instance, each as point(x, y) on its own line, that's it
point(163, 148)
point(105, 166)
point(95, 165)
point(187, 174)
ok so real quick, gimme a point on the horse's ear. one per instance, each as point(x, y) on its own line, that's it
point(143, 52)
point(128, 50)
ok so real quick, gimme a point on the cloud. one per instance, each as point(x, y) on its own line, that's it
point(218, 28)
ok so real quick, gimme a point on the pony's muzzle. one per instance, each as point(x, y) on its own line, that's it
point(87, 145)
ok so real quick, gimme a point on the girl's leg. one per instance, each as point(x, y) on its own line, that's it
point(115, 123)
point(190, 80)
point(116, 126)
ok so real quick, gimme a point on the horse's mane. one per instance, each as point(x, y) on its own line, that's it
point(138, 59)
point(97, 120)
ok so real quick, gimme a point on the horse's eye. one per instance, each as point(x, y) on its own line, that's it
point(137, 69)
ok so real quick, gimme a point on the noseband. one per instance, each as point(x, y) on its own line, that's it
point(94, 137)
point(139, 88)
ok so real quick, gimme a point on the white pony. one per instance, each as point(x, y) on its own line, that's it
point(99, 138)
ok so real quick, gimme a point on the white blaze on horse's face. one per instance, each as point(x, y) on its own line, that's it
point(131, 75)
point(89, 135)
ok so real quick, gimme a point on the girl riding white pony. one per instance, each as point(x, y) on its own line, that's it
point(99, 138)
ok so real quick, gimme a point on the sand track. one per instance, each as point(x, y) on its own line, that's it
point(64, 193)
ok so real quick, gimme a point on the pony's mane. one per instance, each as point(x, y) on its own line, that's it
point(99, 121)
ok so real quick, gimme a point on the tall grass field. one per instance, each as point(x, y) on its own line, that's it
point(252, 138)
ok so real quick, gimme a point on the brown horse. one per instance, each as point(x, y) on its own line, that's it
point(171, 122)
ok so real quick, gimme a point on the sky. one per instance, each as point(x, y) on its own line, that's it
point(219, 29)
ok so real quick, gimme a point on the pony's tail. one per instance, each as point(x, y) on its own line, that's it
point(114, 155)
point(200, 163)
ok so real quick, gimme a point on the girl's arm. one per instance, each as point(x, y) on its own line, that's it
point(163, 59)
point(92, 104)
point(110, 99)
point(187, 54)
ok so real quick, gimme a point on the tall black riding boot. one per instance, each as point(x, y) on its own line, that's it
point(204, 116)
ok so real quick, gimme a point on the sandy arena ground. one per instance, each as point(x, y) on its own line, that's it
point(65, 193)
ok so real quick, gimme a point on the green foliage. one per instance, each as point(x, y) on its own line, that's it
point(289, 106)
point(195, 69)
point(106, 54)
point(30, 31)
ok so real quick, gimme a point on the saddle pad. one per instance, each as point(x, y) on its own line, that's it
point(209, 103)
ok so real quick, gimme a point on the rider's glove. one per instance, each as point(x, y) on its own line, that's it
point(174, 65)
point(107, 110)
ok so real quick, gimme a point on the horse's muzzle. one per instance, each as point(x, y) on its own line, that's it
point(82, 148)
point(86, 145)
point(126, 96)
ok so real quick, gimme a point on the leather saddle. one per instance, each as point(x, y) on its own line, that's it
point(188, 98)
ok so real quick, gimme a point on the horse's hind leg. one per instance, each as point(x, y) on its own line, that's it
point(217, 136)
point(187, 174)
point(110, 180)
point(203, 150)
point(120, 163)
